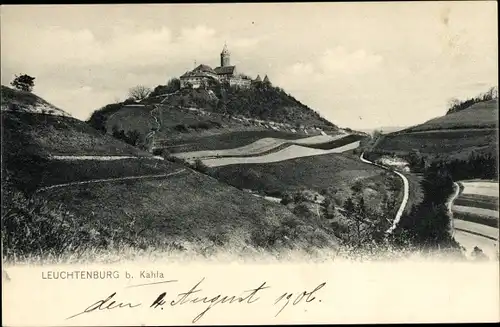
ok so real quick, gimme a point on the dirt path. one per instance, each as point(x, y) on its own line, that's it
point(103, 158)
point(110, 180)
point(406, 190)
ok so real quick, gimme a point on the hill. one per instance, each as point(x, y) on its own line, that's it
point(479, 115)
point(22, 101)
point(51, 131)
point(463, 141)
point(71, 190)
point(260, 101)
point(188, 113)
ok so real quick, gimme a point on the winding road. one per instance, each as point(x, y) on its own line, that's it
point(102, 158)
point(406, 190)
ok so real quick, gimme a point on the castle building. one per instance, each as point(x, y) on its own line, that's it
point(225, 73)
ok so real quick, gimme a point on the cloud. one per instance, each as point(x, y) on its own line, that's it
point(401, 62)
point(340, 60)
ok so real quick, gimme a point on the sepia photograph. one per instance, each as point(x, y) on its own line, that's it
point(248, 162)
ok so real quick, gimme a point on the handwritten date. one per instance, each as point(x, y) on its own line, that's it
point(195, 296)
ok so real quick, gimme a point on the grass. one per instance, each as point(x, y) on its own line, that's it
point(480, 115)
point(316, 173)
point(450, 144)
point(24, 101)
point(56, 135)
point(154, 220)
point(453, 136)
point(173, 120)
point(61, 171)
point(189, 207)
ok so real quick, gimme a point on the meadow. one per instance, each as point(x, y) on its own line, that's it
point(57, 135)
point(184, 208)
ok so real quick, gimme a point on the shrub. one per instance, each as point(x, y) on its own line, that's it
point(30, 226)
point(200, 166)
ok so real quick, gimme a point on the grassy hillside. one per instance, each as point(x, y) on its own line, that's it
point(457, 135)
point(261, 101)
point(181, 211)
point(343, 191)
point(316, 172)
point(449, 142)
point(479, 115)
point(22, 101)
point(56, 133)
point(187, 113)
point(108, 211)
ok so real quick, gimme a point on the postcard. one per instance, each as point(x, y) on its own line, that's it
point(250, 163)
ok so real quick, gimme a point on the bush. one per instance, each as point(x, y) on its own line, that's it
point(30, 226)
point(131, 137)
point(200, 166)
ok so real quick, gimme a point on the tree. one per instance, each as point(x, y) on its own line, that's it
point(23, 82)
point(139, 92)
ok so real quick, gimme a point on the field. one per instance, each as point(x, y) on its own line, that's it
point(438, 142)
point(290, 152)
point(229, 140)
point(268, 145)
point(478, 202)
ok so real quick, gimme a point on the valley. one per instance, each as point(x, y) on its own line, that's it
point(167, 174)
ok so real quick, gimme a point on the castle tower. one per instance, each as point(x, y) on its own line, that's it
point(225, 57)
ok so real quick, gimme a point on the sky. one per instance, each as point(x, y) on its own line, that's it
point(360, 65)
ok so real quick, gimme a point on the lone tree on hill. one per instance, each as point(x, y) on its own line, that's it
point(139, 92)
point(23, 82)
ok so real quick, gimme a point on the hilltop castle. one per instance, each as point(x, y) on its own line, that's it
point(204, 75)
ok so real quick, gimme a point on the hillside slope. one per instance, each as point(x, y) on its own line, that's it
point(52, 205)
point(188, 113)
point(22, 101)
point(259, 102)
point(29, 129)
point(480, 115)
point(453, 136)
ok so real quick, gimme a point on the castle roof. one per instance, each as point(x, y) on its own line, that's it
point(197, 73)
point(266, 79)
point(257, 79)
point(204, 68)
point(226, 70)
